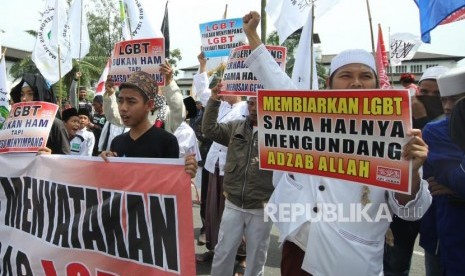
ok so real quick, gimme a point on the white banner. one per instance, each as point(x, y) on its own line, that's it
point(304, 60)
point(403, 46)
point(79, 34)
point(142, 19)
point(290, 15)
point(45, 52)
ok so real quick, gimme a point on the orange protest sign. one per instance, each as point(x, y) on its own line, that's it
point(27, 127)
point(137, 55)
point(346, 134)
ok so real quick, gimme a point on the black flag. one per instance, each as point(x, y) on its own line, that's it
point(165, 29)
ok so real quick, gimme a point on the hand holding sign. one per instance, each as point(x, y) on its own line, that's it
point(202, 62)
point(131, 56)
point(215, 91)
point(167, 72)
point(219, 37)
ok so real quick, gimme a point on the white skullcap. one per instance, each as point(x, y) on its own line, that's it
point(452, 82)
point(352, 56)
point(432, 73)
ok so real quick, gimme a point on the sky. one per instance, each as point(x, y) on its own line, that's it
point(345, 26)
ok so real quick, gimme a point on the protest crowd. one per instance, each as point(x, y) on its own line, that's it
point(219, 135)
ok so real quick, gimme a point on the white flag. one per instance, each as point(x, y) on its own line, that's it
point(4, 104)
point(50, 35)
point(403, 46)
point(141, 19)
point(303, 61)
point(290, 15)
point(79, 34)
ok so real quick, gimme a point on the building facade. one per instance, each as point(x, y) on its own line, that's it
point(416, 66)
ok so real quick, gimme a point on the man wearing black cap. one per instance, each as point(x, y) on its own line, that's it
point(33, 87)
point(70, 118)
point(83, 142)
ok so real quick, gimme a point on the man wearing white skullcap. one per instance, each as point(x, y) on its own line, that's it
point(321, 247)
point(426, 106)
point(432, 73)
point(445, 170)
point(452, 88)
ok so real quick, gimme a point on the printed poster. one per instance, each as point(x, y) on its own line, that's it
point(27, 127)
point(220, 37)
point(71, 215)
point(238, 80)
point(345, 134)
point(137, 55)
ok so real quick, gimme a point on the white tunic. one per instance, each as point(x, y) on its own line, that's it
point(226, 113)
point(82, 143)
point(187, 141)
point(334, 247)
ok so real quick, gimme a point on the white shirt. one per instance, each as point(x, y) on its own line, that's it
point(114, 130)
point(331, 248)
point(217, 151)
point(226, 113)
point(187, 141)
point(202, 91)
point(82, 143)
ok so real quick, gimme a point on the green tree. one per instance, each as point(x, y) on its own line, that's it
point(175, 58)
point(104, 31)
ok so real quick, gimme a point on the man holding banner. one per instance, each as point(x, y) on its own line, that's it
point(321, 247)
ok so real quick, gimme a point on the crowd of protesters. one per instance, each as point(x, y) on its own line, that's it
point(219, 135)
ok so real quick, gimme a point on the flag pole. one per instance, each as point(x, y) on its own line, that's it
point(312, 60)
point(60, 83)
point(80, 48)
point(225, 11)
point(127, 19)
point(371, 28)
point(80, 35)
point(390, 66)
point(3, 54)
